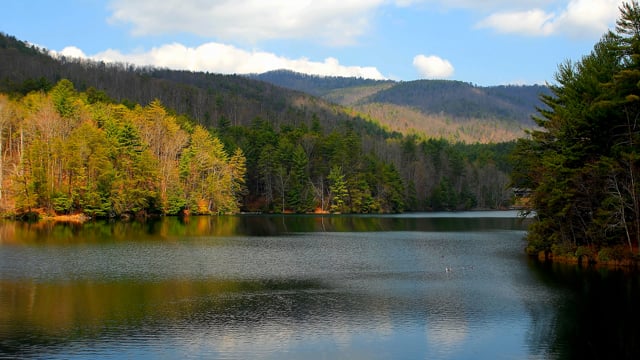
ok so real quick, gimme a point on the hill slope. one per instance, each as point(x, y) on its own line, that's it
point(438, 108)
point(462, 100)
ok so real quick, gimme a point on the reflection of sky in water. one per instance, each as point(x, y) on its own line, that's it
point(444, 336)
point(305, 295)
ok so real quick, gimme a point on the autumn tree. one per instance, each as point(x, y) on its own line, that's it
point(207, 176)
point(89, 173)
point(166, 140)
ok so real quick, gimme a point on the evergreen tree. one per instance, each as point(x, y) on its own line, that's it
point(337, 190)
point(583, 166)
point(300, 193)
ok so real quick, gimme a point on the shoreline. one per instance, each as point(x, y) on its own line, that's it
point(75, 218)
point(612, 258)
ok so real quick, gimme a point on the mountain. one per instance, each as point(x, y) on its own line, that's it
point(437, 108)
point(462, 100)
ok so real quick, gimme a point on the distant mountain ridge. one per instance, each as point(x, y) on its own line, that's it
point(433, 107)
point(454, 98)
point(314, 84)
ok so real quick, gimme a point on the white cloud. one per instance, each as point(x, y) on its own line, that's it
point(71, 51)
point(227, 59)
point(588, 17)
point(484, 5)
point(580, 18)
point(433, 67)
point(336, 22)
point(531, 22)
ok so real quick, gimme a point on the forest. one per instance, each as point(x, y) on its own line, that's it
point(69, 152)
point(583, 165)
point(117, 140)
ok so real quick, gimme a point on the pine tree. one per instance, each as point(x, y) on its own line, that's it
point(338, 190)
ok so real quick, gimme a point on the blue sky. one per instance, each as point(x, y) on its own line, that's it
point(490, 42)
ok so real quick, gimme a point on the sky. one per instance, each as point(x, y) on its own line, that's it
point(483, 42)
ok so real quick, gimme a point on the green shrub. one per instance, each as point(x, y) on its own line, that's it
point(61, 202)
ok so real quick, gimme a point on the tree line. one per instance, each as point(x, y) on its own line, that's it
point(583, 165)
point(317, 85)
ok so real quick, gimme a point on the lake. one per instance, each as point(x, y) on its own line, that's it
point(411, 286)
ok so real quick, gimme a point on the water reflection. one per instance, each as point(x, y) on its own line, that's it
point(216, 317)
point(175, 228)
point(596, 316)
point(43, 314)
point(302, 286)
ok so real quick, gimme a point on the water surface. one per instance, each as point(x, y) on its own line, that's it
point(432, 286)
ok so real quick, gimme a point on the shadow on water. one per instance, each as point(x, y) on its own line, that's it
point(277, 224)
point(597, 315)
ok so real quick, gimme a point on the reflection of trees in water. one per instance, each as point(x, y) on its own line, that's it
point(251, 225)
point(279, 224)
point(596, 315)
point(541, 334)
point(43, 313)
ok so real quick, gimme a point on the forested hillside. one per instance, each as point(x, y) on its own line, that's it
point(206, 98)
point(454, 110)
point(296, 153)
point(456, 99)
point(464, 101)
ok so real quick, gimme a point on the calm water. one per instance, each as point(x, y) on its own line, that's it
point(353, 287)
